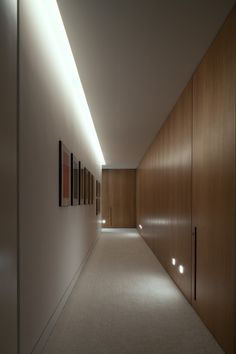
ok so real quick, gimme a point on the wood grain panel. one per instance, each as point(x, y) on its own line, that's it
point(119, 198)
point(164, 189)
point(8, 177)
point(164, 192)
point(214, 185)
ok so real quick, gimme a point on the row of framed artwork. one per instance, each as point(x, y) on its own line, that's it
point(76, 182)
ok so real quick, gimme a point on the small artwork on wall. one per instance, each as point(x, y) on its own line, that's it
point(98, 197)
point(92, 189)
point(85, 185)
point(89, 187)
point(64, 175)
point(81, 189)
point(74, 180)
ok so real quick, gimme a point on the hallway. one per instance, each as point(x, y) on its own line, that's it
point(124, 302)
point(118, 115)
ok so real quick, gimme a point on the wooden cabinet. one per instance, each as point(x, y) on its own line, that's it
point(119, 198)
point(214, 186)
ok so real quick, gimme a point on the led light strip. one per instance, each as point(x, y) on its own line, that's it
point(46, 16)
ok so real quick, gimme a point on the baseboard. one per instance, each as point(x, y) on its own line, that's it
point(40, 344)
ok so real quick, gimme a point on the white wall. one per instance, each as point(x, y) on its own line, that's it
point(54, 241)
point(8, 176)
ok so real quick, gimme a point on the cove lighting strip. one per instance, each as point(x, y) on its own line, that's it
point(48, 17)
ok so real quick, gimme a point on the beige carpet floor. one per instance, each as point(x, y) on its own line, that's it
point(125, 303)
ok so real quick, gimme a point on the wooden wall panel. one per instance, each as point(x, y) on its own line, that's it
point(8, 177)
point(164, 192)
point(214, 185)
point(119, 198)
point(188, 175)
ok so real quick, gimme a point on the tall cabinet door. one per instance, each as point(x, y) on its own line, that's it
point(213, 218)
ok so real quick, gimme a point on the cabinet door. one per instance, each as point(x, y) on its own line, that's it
point(214, 186)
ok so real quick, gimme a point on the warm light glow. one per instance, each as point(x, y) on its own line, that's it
point(173, 261)
point(140, 226)
point(181, 269)
point(103, 221)
point(46, 19)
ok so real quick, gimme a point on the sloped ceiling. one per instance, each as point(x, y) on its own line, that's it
point(134, 59)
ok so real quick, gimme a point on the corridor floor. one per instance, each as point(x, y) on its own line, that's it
point(125, 303)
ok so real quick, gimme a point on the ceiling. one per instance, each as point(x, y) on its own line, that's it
point(134, 59)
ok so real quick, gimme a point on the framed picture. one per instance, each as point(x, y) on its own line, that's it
point(88, 184)
point(92, 189)
point(64, 175)
point(97, 189)
point(74, 180)
point(98, 197)
point(81, 183)
point(85, 185)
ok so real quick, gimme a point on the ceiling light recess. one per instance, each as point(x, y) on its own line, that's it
point(47, 20)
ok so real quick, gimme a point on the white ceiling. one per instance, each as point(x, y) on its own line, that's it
point(134, 58)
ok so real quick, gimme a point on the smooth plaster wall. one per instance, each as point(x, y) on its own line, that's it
point(54, 241)
point(8, 176)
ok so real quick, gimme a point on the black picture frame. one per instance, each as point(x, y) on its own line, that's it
point(89, 187)
point(85, 186)
point(98, 197)
point(74, 180)
point(92, 189)
point(64, 175)
point(81, 190)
